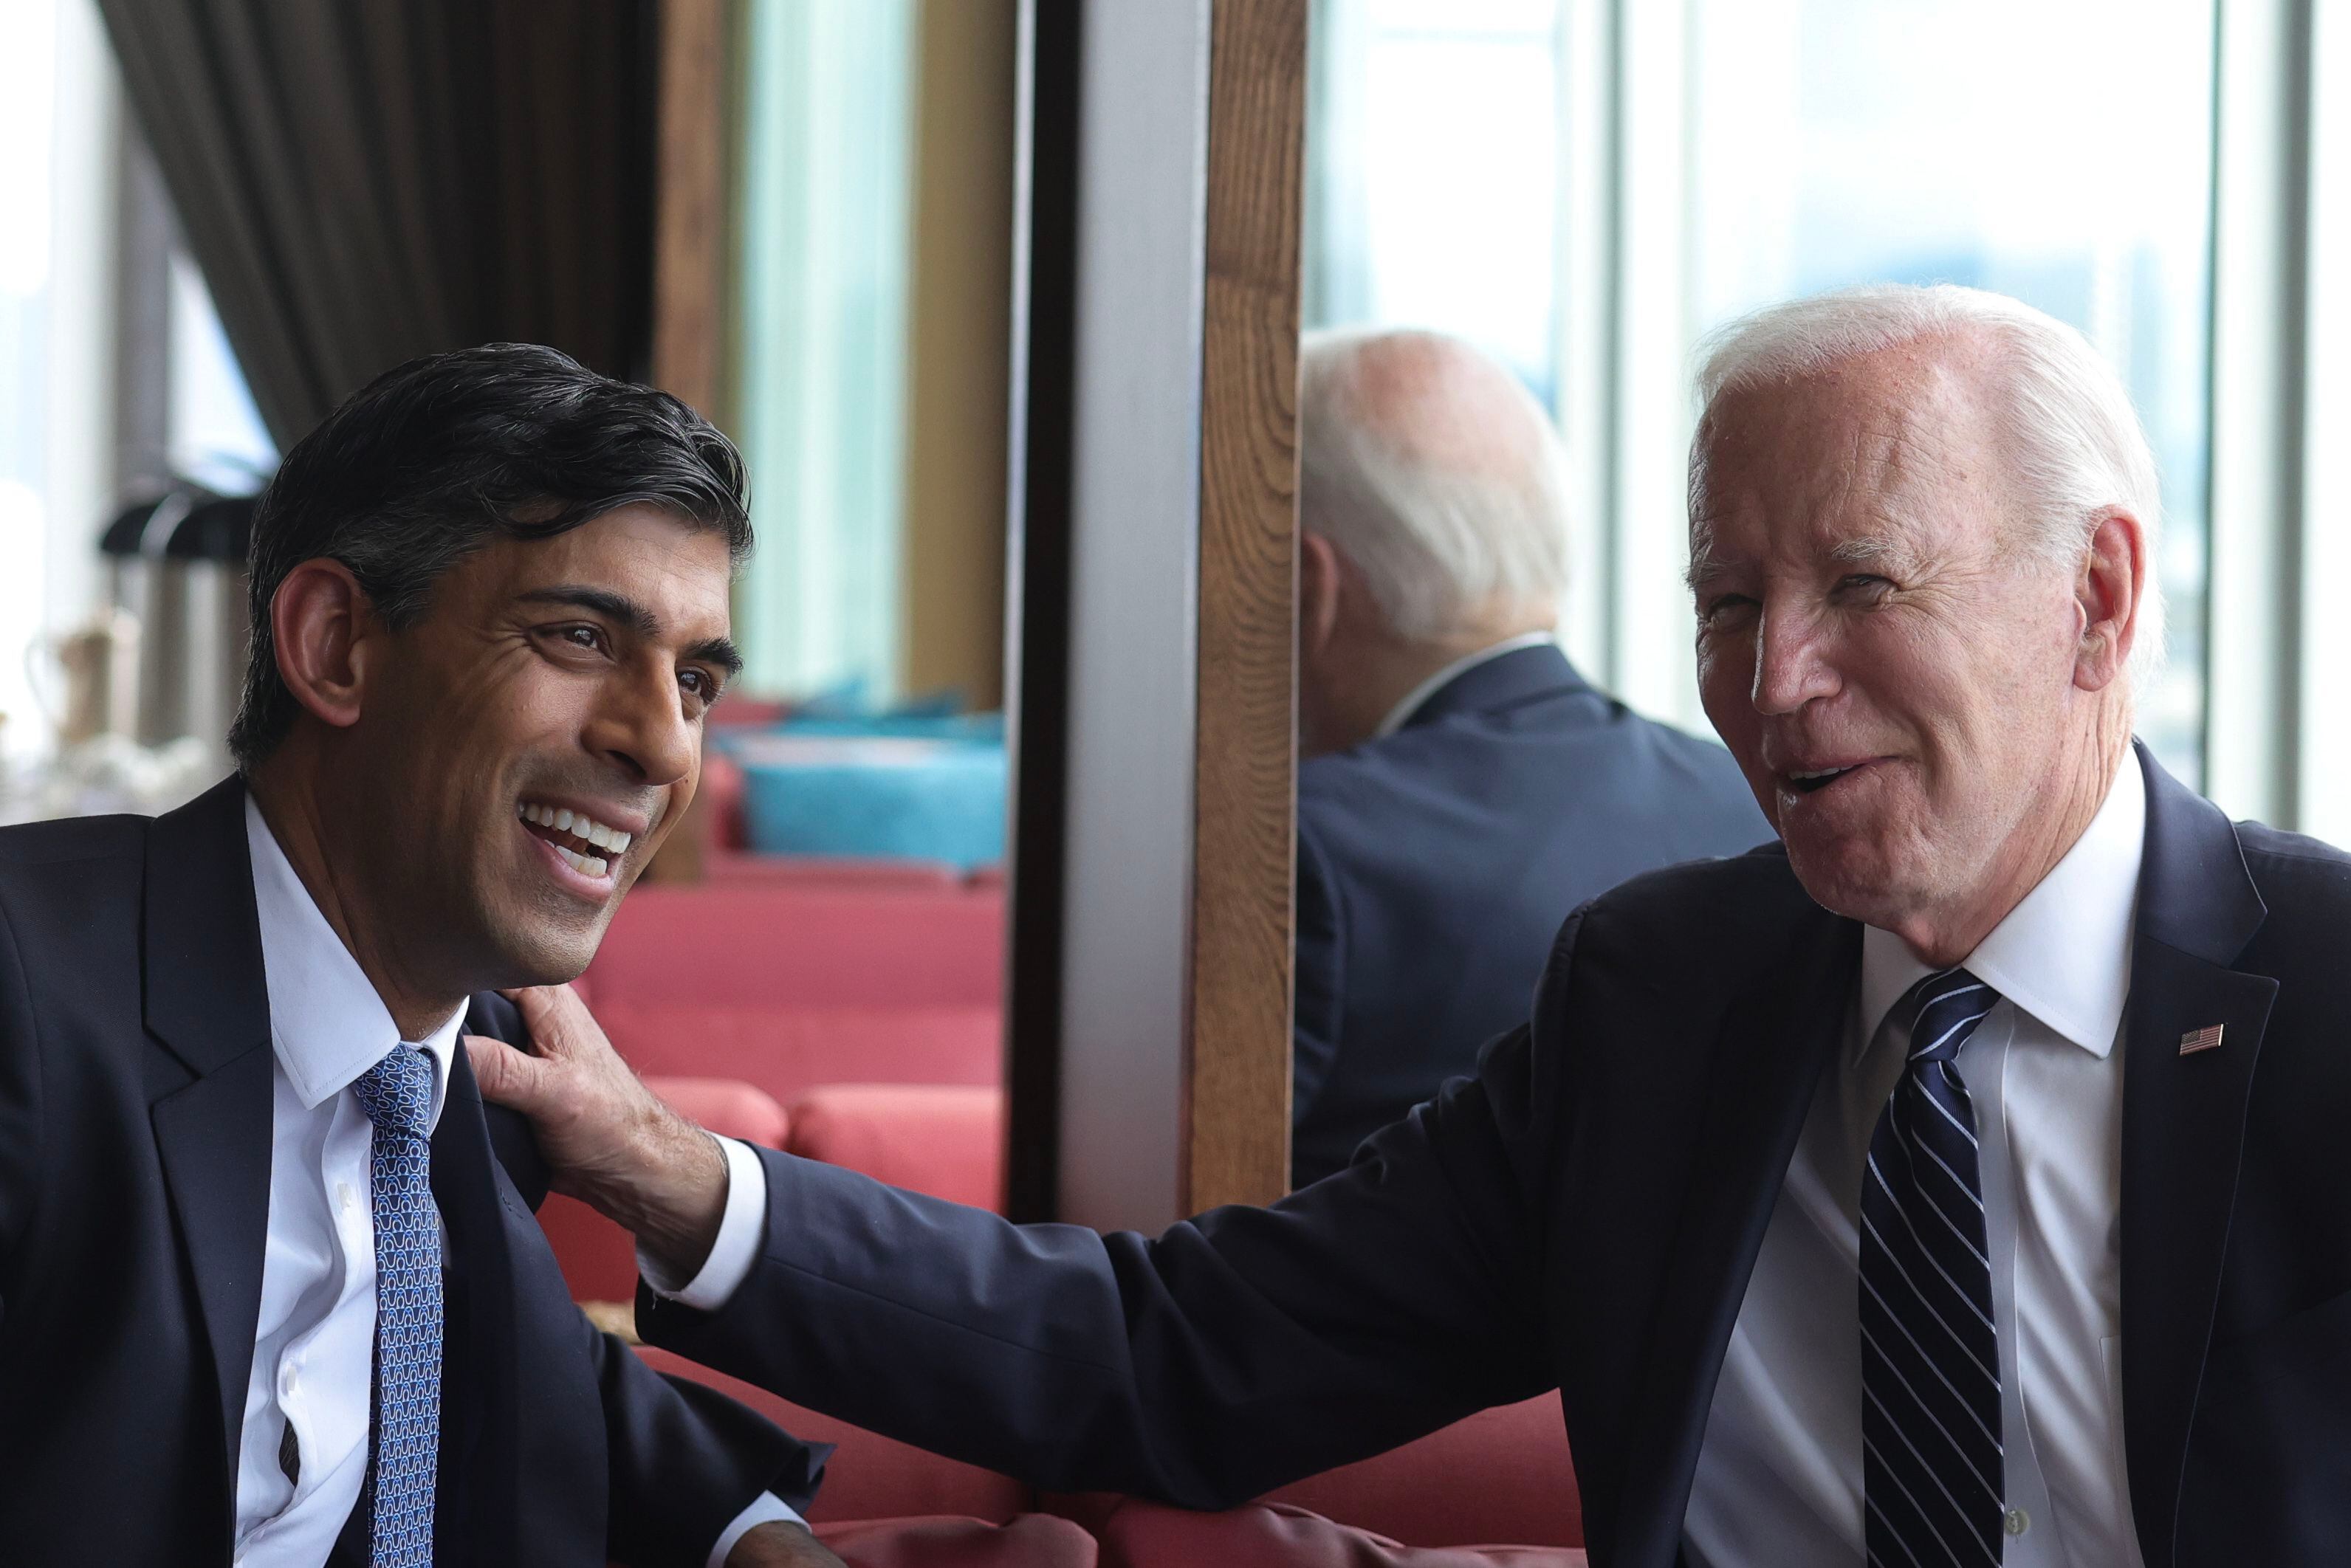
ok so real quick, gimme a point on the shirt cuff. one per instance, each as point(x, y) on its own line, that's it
point(765, 1509)
point(738, 1247)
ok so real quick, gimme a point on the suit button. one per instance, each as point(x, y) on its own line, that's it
point(288, 1381)
point(2018, 1522)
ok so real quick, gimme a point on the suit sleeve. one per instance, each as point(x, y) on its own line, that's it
point(1320, 973)
point(1234, 1352)
point(683, 1459)
point(20, 1109)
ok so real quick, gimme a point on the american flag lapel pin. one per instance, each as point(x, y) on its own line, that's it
point(2198, 1039)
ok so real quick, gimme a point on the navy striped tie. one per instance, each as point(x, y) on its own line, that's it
point(1930, 1353)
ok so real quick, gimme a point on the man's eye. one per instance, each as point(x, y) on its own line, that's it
point(588, 637)
point(1724, 607)
point(1864, 584)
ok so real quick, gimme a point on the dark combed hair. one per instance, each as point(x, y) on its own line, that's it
point(433, 460)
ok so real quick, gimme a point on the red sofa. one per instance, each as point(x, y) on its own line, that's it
point(944, 1139)
point(790, 985)
point(1501, 1476)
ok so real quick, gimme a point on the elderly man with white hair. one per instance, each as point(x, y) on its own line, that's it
point(1463, 787)
point(1957, 1181)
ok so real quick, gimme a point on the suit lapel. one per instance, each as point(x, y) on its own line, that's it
point(2183, 1129)
point(207, 1013)
point(479, 1360)
point(1775, 1043)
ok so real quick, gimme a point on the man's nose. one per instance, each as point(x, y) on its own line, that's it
point(643, 726)
point(1791, 666)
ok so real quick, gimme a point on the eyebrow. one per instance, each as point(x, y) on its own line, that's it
point(623, 611)
point(1874, 550)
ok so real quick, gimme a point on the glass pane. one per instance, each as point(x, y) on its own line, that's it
point(1961, 141)
point(819, 393)
point(216, 435)
point(28, 80)
point(1432, 179)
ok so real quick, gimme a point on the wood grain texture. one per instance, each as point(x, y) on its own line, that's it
point(690, 268)
point(690, 204)
point(1236, 1129)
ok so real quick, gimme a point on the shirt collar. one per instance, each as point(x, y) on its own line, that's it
point(1402, 713)
point(326, 1021)
point(2063, 954)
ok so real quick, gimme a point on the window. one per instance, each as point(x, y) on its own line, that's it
point(820, 383)
point(1919, 143)
point(1587, 187)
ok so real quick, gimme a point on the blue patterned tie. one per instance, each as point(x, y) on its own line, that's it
point(1929, 1353)
point(397, 1095)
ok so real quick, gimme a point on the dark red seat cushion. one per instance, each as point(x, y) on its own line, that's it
point(871, 1477)
point(1031, 1541)
point(1278, 1535)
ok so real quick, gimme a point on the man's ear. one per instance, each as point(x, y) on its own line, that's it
point(2108, 595)
point(325, 631)
point(1317, 592)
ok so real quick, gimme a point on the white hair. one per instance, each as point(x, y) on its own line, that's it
point(1454, 505)
point(2065, 419)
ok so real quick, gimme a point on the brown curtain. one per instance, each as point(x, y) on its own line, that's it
point(365, 181)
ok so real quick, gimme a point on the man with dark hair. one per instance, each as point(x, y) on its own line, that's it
point(259, 1237)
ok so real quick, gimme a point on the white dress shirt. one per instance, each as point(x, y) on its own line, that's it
point(1779, 1473)
point(314, 1341)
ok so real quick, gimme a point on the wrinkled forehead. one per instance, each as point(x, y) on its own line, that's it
point(1881, 453)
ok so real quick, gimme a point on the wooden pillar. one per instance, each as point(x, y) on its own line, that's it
point(1152, 606)
point(1237, 1141)
point(690, 204)
point(690, 267)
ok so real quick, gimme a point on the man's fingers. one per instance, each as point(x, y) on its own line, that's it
point(543, 1014)
point(504, 1075)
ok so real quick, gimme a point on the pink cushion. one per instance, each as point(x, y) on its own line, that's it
point(870, 1477)
point(786, 1050)
point(823, 872)
point(779, 945)
point(1031, 1541)
point(947, 1140)
point(1503, 1474)
point(1277, 1535)
point(727, 1106)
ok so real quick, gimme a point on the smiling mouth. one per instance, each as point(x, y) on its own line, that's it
point(1814, 782)
point(588, 847)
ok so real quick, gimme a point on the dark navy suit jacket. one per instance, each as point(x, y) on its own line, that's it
point(134, 1201)
point(1585, 1212)
point(1434, 865)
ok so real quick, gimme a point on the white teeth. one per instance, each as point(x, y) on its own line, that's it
point(565, 820)
point(586, 865)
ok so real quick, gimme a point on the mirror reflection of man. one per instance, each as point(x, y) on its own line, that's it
point(270, 1291)
point(1462, 786)
point(1958, 1181)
